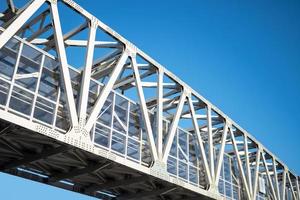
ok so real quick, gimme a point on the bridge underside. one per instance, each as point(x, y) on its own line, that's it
point(30, 155)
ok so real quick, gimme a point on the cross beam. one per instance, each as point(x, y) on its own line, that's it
point(29, 158)
point(77, 172)
point(118, 183)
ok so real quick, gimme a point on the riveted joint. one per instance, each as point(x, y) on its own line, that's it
point(82, 122)
point(261, 149)
point(186, 92)
point(131, 49)
point(94, 22)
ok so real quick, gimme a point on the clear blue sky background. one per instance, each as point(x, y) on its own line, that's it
point(243, 56)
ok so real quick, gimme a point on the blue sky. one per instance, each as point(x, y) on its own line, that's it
point(243, 56)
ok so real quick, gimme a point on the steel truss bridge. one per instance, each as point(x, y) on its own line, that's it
point(82, 108)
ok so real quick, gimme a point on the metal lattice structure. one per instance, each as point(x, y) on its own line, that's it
point(116, 124)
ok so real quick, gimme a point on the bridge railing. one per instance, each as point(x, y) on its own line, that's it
point(30, 85)
point(30, 88)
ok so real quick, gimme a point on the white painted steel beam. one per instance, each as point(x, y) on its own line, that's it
point(249, 175)
point(19, 21)
point(64, 67)
point(86, 75)
point(105, 92)
point(256, 174)
point(291, 185)
point(79, 43)
point(283, 186)
point(66, 36)
point(240, 165)
point(144, 110)
point(221, 154)
point(174, 126)
point(200, 141)
point(298, 187)
point(159, 113)
point(114, 64)
point(11, 5)
point(25, 76)
point(276, 178)
point(268, 176)
point(210, 143)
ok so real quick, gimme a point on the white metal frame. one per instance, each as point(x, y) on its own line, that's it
point(169, 102)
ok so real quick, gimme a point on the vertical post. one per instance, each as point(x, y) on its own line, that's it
point(221, 154)
point(249, 175)
point(127, 127)
point(20, 21)
point(14, 75)
point(188, 154)
point(257, 164)
point(93, 134)
point(298, 189)
point(86, 76)
point(141, 145)
point(159, 113)
point(276, 178)
point(231, 177)
point(210, 142)
point(283, 187)
point(113, 103)
point(64, 68)
point(177, 153)
point(56, 107)
point(37, 86)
